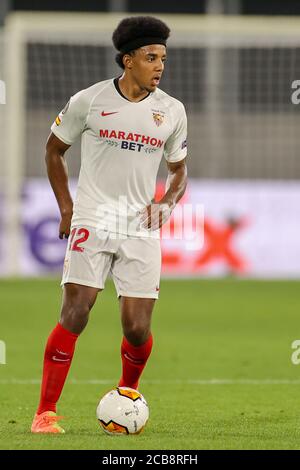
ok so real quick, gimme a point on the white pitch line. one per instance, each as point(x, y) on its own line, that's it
point(14, 381)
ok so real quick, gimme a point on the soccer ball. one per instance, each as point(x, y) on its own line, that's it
point(123, 410)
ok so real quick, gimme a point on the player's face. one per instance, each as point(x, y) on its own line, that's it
point(148, 66)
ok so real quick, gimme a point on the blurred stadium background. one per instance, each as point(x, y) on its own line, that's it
point(234, 73)
point(233, 63)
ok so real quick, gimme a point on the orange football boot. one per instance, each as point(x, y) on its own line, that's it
point(46, 423)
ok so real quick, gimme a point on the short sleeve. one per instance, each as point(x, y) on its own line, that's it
point(70, 122)
point(176, 145)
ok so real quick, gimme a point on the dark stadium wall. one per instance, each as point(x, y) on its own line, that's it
point(247, 7)
point(273, 7)
point(167, 6)
point(57, 5)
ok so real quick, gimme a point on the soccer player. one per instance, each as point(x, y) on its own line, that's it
point(126, 125)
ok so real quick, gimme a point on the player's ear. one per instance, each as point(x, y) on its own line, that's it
point(127, 61)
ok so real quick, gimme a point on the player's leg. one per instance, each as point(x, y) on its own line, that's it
point(136, 316)
point(78, 301)
point(137, 340)
point(85, 271)
point(136, 273)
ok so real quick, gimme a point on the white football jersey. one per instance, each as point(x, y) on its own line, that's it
point(122, 143)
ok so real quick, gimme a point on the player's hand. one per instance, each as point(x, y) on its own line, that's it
point(65, 225)
point(155, 215)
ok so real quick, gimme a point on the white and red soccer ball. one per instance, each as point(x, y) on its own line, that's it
point(123, 410)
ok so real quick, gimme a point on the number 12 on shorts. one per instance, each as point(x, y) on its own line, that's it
point(77, 238)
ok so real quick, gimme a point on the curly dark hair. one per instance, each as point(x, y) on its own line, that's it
point(136, 27)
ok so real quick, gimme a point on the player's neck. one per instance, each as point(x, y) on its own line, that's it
point(130, 89)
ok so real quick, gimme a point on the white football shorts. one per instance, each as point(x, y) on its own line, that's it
point(133, 262)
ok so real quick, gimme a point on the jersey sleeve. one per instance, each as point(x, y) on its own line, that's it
point(71, 121)
point(176, 145)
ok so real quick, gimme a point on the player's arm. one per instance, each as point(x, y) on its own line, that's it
point(66, 129)
point(175, 152)
point(176, 183)
point(58, 176)
point(155, 215)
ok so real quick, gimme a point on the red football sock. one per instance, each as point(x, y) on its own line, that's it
point(57, 360)
point(134, 359)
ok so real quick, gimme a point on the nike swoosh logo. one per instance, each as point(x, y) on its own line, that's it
point(62, 353)
point(59, 360)
point(107, 114)
point(131, 359)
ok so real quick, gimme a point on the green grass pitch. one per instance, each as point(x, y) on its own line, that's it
point(220, 375)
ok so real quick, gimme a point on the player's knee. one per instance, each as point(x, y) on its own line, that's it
point(78, 310)
point(75, 312)
point(136, 333)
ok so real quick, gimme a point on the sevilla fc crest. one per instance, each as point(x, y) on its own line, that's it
point(158, 118)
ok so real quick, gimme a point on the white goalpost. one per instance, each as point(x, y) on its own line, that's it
point(234, 74)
